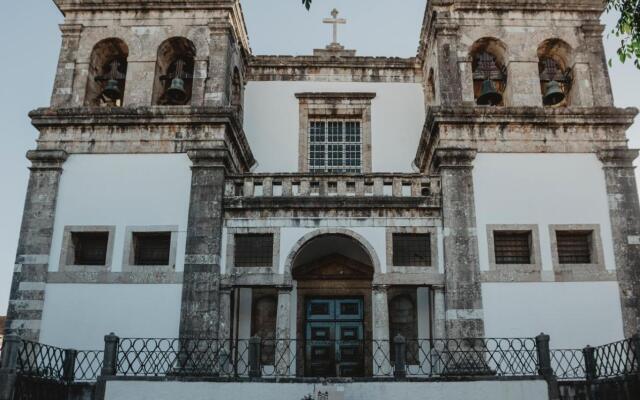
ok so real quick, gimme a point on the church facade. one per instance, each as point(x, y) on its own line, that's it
point(183, 187)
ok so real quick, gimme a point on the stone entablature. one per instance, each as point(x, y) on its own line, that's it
point(523, 130)
point(144, 130)
point(334, 69)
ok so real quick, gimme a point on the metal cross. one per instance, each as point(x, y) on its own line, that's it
point(335, 21)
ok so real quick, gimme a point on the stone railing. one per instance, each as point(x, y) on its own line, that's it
point(327, 185)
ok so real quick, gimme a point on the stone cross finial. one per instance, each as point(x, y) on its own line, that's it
point(335, 21)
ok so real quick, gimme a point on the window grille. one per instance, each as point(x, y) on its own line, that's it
point(152, 248)
point(574, 247)
point(411, 250)
point(512, 247)
point(335, 146)
point(90, 248)
point(253, 250)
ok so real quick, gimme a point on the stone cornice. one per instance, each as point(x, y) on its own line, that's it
point(336, 95)
point(523, 129)
point(596, 6)
point(332, 203)
point(160, 130)
point(618, 158)
point(355, 69)
point(46, 159)
point(137, 5)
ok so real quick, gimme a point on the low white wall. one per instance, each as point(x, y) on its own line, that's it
point(79, 315)
point(575, 314)
point(494, 390)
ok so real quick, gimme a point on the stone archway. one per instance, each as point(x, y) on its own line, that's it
point(334, 275)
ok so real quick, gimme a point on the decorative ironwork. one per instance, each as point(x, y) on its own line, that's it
point(616, 359)
point(41, 361)
point(88, 365)
point(568, 364)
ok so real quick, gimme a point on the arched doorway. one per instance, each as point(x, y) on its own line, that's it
point(334, 274)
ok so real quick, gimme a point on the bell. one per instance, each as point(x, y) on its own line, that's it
point(112, 90)
point(176, 92)
point(553, 94)
point(489, 96)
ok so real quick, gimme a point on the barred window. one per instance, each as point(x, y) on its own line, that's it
point(151, 248)
point(335, 146)
point(574, 247)
point(253, 250)
point(512, 247)
point(90, 248)
point(411, 250)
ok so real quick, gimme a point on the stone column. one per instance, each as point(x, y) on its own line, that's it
point(600, 82)
point(63, 84)
point(34, 246)
point(381, 346)
point(218, 84)
point(624, 212)
point(448, 70)
point(439, 321)
point(200, 292)
point(224, 329)
point(463, 298)
point(523, 84)
point(284, 347)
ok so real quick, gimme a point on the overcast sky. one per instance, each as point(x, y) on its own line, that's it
point(31, 40)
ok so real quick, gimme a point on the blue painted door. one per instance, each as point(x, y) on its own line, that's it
point(334, 336)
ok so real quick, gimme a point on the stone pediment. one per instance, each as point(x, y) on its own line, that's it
point(334, 267)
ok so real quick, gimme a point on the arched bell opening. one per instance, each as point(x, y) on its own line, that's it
point(556, 76)
point(107, 74)
point(174, 72)
point(488, 57)
point(333, 275)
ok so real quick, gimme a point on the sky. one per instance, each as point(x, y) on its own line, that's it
point(31, 42)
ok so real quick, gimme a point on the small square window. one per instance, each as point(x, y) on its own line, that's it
point(90, 248)
point(151, 248)
point(574, 247)
point(253, 250)
point(411, 250)
point(512, 247)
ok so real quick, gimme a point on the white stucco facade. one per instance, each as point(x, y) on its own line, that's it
point(271, 122)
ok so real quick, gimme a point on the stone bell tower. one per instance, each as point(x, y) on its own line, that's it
point(524, 78)
point(141, 77)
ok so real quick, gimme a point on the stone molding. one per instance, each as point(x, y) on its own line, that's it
point(231, 269)
point(116, 278)
point(433, 245)
point(618, 158)
point(46, 159)
point(65, 264)
point(523, 130)
point(128, 257)
point(455, 158)
point(534, 268)
point(597, 251)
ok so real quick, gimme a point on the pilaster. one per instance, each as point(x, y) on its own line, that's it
point(600, 81)
point(448, 69)
point(463, 297)
point(34, 246)
point(284, 346)
point(218, 84)
point(201, 285)
point(381, 340)
point(624, 211)
point(63, 84)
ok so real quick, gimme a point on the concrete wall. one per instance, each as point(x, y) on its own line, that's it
point(79, 315)
point(272, 118)
point(495, 390)
point(546, 189)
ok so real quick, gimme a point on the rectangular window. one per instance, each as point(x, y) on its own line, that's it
point(151, 248)
point(574, 247)
point(90, 248)
point(411, 250)
point(512, 247)
point(253, 250)
point(335, 146)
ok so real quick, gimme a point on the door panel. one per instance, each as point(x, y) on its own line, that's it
point(334, 338)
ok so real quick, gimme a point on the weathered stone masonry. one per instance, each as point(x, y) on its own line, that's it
point(34, 246)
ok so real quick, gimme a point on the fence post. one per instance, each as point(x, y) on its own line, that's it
point(590, 362)
point(543, 350)
point(400, 362)
point(635, 339)
point(110, 361)
point(255, 370)
point(9, 366)
point(69, 365)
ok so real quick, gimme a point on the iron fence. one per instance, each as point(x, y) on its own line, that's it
point(41, 361)
point(88, 365)
point(568, 364)
point(616, 359)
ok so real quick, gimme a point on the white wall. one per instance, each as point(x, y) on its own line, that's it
point(80, 315)
point(123, 190)
point(545, 189)
point(495, 390)
point(574, 314)
point(272, 122)
point(541, 189)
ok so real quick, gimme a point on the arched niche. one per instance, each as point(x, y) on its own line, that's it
point(490, 77)
point(175, 65)
point(555, 68)
point(107, 73)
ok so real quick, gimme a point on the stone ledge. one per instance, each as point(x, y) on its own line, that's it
point(332, 202)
